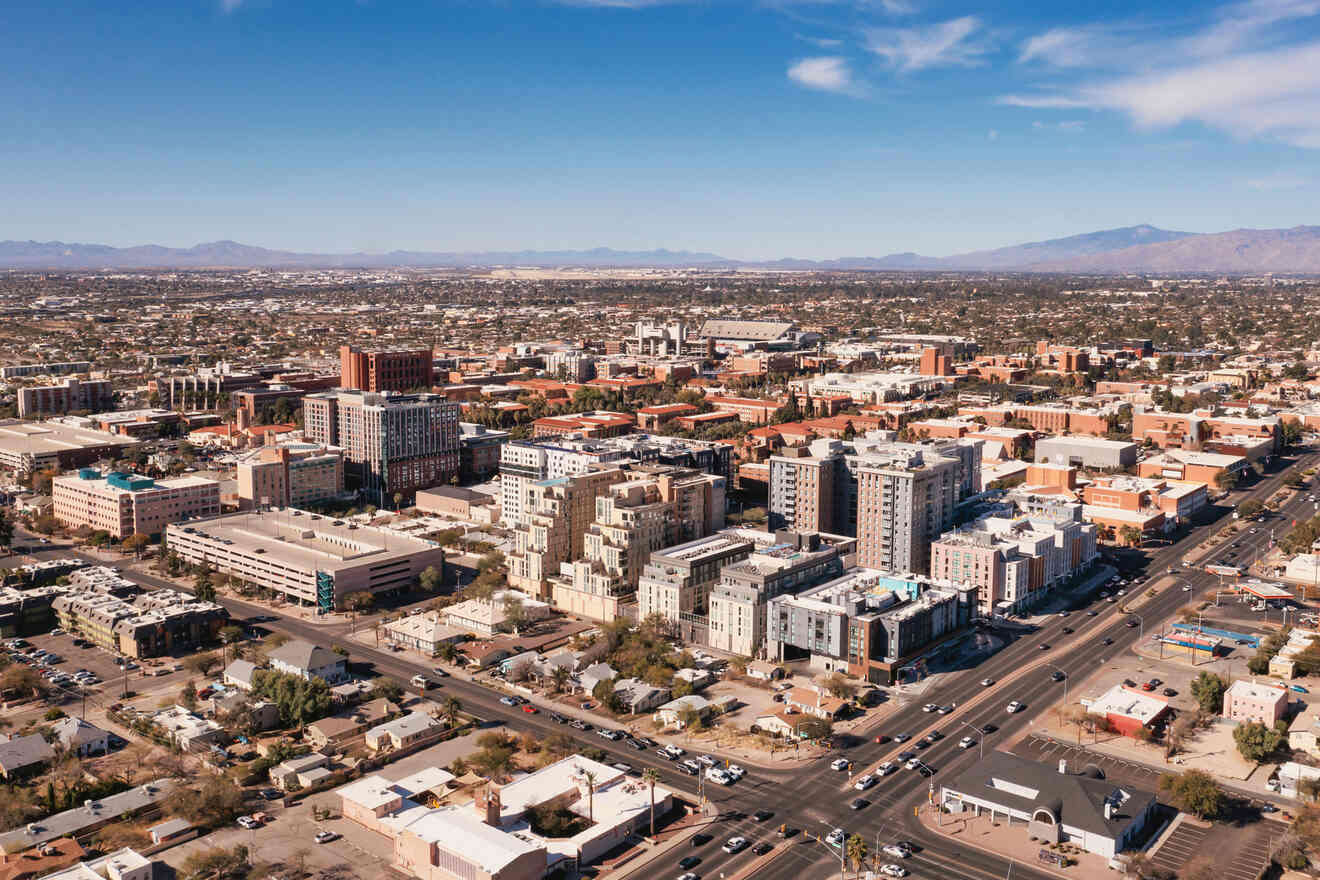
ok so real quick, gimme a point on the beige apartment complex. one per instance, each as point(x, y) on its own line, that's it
point(558, 512)
point(128, 504)
point(290, 475)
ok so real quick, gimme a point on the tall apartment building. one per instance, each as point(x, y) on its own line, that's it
point(590, 564)
point(893, 497)
point(126, 504)
point(557, 513)
point(1014, 561)
point(290, 475)
point(91, 395)
point(524, 463)
point(382, 370)
point(677, 581)
point(392, 443)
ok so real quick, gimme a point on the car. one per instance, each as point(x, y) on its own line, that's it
point(1157, 681)
point(606, 733)
point(864, 782)
point(886, 768)
point(689, 876)
point(690, 767)
point(579, 724)
point(1111, 599)
point(1268, 808)
point(892, 870)
point(905, 756)
point(945, 710)
point(1104, 594)
point(1014, 706)
point(439, 671)
point(1170, 692)
point(587, 704)
point(708, 760)
point(762, 815)
point(1091, 613)
point(718, 776)
point(635, 744)
point(735, 845)
point(930, 707)
point(925, 771)
point(1067, 630)
point(1057, 675)
point(761, 849)
point(1130, 623)
point(1148, 686)
point(557, 718)
point(921, 744)
point(271, 794)
point(881, 738)
point(663, 752)
point(1064, 613)
point(326, 836)
point(913, 763)
point(689, 862)
point(966, 742)
point(839, 764)
point(859, 804)
point(836, 837)
point(1044, 646)
point(895, 851)
point(930, 739)
point(987, 682)
point(1186, 589)
point(934, 735)
point(902, 737)
point(676, 751)
point(1127, 682)
point(508, 701)
point(701, 839)
point(1106, 641)
point(248, 822)
point(735, 771)
point(530, 709)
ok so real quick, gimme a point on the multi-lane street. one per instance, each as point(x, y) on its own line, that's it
point(814, 798)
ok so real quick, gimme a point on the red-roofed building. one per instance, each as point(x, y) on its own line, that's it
point(1129, 709)
point(649, 418)
point(590, 424)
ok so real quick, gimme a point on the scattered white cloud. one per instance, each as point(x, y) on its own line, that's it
point(1277, 181)
point(898, 7)
point(1062, 47)
point(828, 73)
point(1072, 125)
point(952, 43)
point(822, 42)
point(1238, 24)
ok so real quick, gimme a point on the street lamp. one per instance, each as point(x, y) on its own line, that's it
point(980, 734)
point(842, 847)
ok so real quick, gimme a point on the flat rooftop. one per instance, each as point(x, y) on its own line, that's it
point(38, 438)
point(306, 540)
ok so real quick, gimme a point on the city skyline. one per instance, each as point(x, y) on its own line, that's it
point(755, 131)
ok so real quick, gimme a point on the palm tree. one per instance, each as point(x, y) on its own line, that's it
point(856, 850)
point(450, 709)
point(560, 676)
point(590, 777)
point(651, 776)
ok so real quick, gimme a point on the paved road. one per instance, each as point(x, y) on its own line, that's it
point(815, 798)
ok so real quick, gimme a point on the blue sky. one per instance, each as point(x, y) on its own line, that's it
point(750, 129)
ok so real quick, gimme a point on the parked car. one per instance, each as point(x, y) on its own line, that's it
point(326, 836)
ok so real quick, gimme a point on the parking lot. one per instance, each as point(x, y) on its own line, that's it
point(1050, 751)
point(1236, 853)
point(143, 676)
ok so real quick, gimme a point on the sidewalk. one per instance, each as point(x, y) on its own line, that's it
point(1010, 841)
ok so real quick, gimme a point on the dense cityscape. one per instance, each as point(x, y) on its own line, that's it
point(514, 572)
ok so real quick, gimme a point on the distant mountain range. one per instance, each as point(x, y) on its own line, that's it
point(1139, 249)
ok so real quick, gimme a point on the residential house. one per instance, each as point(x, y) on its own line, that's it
point(637, 696)
point(1261, 701)
point(81, 738)
point(344, 726)
point(238, 674)
point(22, 756)
point(305, 660)
point(671, 714)
point(294, 773)
point(815, 702)
point(412, 729)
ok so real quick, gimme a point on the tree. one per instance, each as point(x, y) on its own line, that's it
point(450, 709)
point(136, 543)
point(202, 664)
point(386, 689)
point(1309, 788)
point(1250, 509)
point(6, 531)
point(839, 686)
point(1208, 690)
point(520, 671)
point(856, 851)
point(815, 728)
point(430, 579)
point(1195, 792)
point(1255, 741)
point(559, 677)
point(1130, 535)
point(300, 701)
point(589, 777)
point(358, 602)
point(515, 612)
point(651, 776)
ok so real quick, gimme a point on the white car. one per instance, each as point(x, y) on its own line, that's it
point(735, 844)
point(718, 776)
point(735, 771)
point(1187, 589)
point(1014, 706)
point(894, 871)
point(913, 763)
point(836, 837)
point(894, 851)
point(864, 783)
point(966, 742)
point(839, 764)
point(326, 836)
point(248, 822)
point(930, 707)
point(987, 682)
point(886, 768)
point(708, 760)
